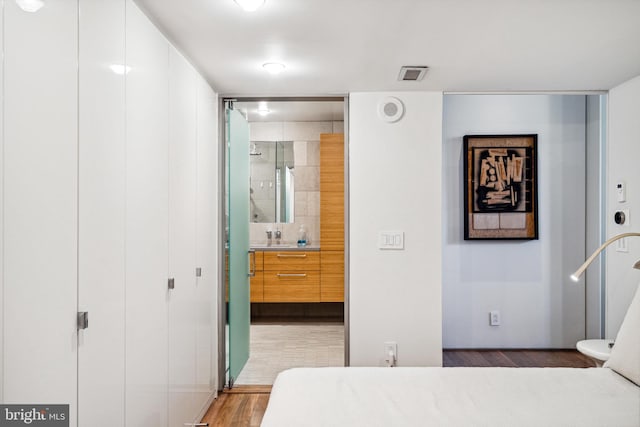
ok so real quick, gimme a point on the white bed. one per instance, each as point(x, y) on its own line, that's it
point(452, 397)
point(406, 397)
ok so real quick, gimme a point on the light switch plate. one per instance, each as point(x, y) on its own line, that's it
point(621, 192)
point(391, 240)
point(621, 245)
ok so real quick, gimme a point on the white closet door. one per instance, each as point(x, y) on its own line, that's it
point(182, 239)
point(40, 204)
point(101, 257)
point(207, 238)
point(146, 222)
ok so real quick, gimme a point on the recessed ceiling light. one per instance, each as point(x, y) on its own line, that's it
point(120, 69)
point(263, 109)
point(273, 67)
point(250, 5)
point(30, 5)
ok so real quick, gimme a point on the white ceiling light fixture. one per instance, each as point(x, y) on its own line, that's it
point(31, 6)
point(250, 5)
point(120, 69)
point(273, 68)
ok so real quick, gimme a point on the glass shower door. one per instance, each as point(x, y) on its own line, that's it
point(238, 313)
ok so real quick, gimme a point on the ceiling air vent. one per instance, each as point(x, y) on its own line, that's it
point(410, 73)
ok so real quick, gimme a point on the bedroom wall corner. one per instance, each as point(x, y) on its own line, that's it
point(622, 166)
point(395, 185)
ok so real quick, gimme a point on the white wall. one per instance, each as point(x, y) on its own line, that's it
point(622, 160)
point(395, 184)
point(527, 281)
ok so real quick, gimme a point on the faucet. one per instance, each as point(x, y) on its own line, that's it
point(269, 234)
point(278, 236)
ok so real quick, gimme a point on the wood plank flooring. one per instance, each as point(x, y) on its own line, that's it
point(516, 358)
point(244, 406)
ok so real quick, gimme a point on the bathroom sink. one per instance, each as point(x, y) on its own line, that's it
point(273, 245)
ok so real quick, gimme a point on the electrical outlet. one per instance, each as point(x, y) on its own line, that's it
point(391, 353)
point(494, 318)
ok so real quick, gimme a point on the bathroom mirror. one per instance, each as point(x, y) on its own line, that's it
point(272, 181)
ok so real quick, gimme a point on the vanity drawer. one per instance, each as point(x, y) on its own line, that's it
point(332, 276)
point(256, 287)
point(292, 286)
point(291, 261)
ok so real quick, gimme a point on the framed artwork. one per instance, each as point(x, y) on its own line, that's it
point(500, 187)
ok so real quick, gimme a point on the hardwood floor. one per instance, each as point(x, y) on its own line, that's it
point(244, 406)
point(516, 358)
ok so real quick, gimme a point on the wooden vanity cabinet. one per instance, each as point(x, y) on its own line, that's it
point(291, 276)
point(332, 217)
point(257, 281)
point(332, 276)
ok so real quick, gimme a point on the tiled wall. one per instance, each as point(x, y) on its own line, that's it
point(306, 148)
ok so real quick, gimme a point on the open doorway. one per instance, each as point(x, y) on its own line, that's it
point(296, 232)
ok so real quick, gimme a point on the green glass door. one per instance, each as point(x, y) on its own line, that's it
point(238, 315)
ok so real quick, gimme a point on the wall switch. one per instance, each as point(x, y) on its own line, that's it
point(621, 192)
point(391, 240)
point(621, 245)
point(391, 353)
point(494, 318)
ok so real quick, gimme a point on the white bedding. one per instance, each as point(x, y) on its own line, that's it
point(352, 397)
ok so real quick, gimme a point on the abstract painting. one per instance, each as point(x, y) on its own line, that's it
point(500, 187)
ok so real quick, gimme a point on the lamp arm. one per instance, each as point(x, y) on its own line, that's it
point(575, 276)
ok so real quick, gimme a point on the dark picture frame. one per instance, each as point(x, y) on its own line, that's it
point(500, 187)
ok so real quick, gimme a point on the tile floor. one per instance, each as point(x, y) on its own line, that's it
point(275, 348)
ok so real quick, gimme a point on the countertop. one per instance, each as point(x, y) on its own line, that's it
point(283, 247)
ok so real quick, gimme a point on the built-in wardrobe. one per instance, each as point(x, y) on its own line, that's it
point(108, 192)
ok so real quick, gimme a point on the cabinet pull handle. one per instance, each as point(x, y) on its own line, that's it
point(252, 267)
point(292, 274)
point(292, 256)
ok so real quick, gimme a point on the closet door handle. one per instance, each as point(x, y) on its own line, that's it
point(83, 320)
point(292, 275)
point(252, 266)
point(292, 256)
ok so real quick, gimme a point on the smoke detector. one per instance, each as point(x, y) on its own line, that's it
point(412, 73)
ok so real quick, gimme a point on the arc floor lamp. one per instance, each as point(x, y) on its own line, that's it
point(576, 276)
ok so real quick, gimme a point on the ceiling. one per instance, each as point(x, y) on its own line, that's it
point(339, 46)
point(293, 111)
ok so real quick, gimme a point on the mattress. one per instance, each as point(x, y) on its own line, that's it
point(353, 397)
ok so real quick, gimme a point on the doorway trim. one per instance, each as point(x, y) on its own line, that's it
point(222, 183)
